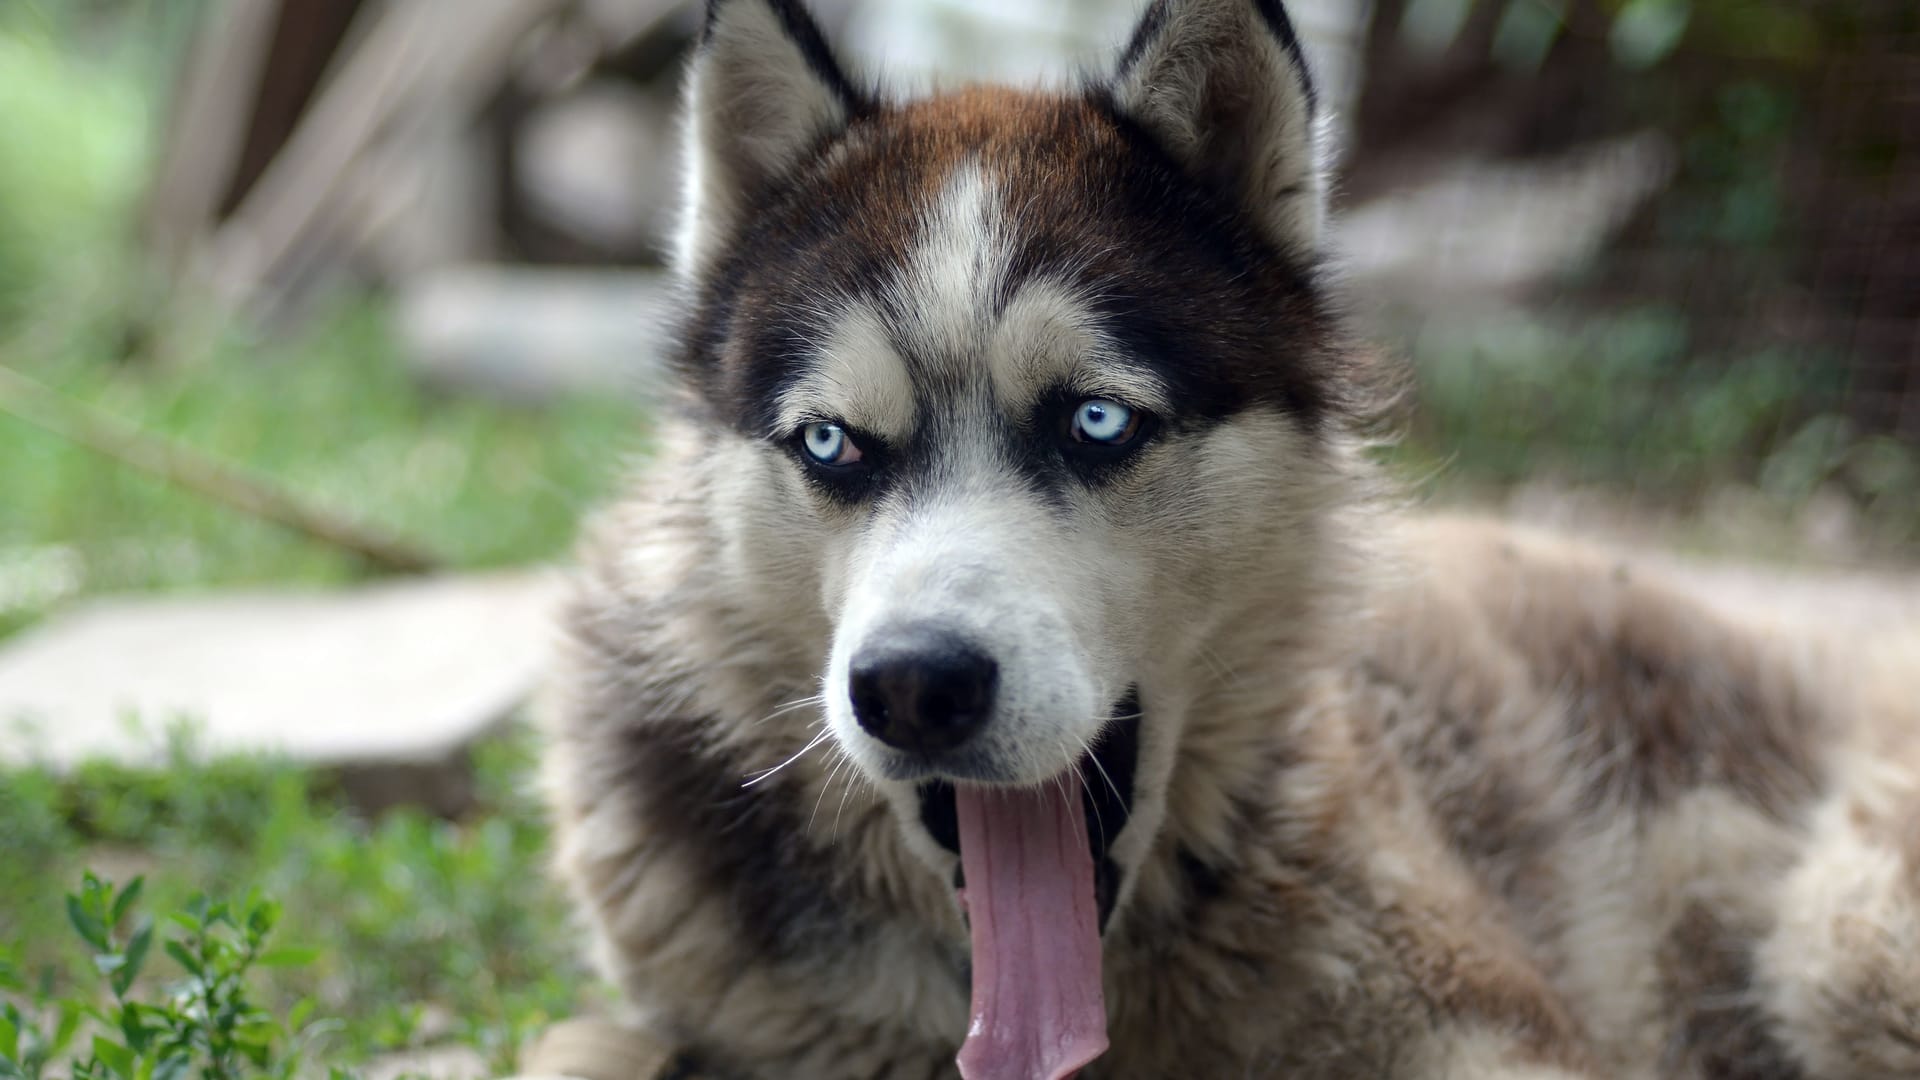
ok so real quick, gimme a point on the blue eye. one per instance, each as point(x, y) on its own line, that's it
point(828, 444)
point(1108, 423)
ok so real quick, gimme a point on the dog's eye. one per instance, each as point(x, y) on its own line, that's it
point(1107, 423)
point(828, 444)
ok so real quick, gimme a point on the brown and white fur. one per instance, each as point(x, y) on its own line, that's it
point(1414, 798)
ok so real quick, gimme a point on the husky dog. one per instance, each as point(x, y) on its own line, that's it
point(1009, 653)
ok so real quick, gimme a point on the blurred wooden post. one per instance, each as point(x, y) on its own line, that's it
point(302, 127)
point(249, 75)
point(417, 57)
point(205, 127)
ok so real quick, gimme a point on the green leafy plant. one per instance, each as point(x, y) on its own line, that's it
point(207, 1023)
point(437, 932)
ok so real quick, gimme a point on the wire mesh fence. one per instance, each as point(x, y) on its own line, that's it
point(1710, 311)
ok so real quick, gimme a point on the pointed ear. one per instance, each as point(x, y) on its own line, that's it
point(1225, 87)
point(764, 88)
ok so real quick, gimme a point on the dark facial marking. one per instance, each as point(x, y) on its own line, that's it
point(1177, 274)
point(1092, 463)
point(748, 845)
point(843, 483)
point(1706, 972)
point(1037, 451)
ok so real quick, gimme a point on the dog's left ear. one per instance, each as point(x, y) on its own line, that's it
point(763, 90)
point(1224, 86)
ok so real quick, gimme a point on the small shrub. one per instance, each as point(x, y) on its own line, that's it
point(206, 1024)
point(434, 931)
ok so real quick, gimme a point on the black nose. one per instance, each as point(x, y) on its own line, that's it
point(922, 690)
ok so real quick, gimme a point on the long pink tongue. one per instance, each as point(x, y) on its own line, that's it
point(1038, 1009)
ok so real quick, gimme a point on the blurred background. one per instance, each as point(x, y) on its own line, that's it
point(323, 321)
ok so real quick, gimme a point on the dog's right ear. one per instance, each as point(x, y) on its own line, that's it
point(763, 90)
point(1224, 85)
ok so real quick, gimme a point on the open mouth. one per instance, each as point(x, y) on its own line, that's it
point(1106, 797)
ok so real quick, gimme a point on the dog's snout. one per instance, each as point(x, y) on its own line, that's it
point(922, 690)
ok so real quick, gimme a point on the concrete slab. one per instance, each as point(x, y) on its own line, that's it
point(392, 677)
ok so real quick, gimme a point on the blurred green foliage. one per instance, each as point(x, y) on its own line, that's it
point(423, 929)
point(1598, 401)
point(426, 929)
point(1710, 348)
point(1640, 33)
point(72, 155)
point(1627, 402)
point(329, 412)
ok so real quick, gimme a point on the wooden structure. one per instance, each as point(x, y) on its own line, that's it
point(302, 139)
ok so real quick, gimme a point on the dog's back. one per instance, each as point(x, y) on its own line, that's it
point(1700, 825)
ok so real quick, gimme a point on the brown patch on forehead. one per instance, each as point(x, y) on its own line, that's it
point(1011, 131)
point(1039, 151)
point(890, 168)
point(1180, 278)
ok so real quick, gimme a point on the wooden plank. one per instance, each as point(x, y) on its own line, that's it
point(206, 127)
point(306, 36)
point(420, 56)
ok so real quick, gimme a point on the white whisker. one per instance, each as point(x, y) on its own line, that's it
point(791, 706)
point(1060, 781)
point(843, 760)
point(816, 741)
point(852, 779)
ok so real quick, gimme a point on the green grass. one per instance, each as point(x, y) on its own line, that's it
point(330, 415)
point(413, 929)
point(72, 152)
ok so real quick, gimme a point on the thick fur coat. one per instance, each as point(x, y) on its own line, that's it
point(1411, 797)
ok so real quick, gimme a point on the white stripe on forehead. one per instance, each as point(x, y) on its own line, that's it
point(944, 297)
point(1046, 335)
point(941, 308)
point(940, 312)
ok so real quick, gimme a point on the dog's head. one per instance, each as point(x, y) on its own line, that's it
point(1021, 392)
